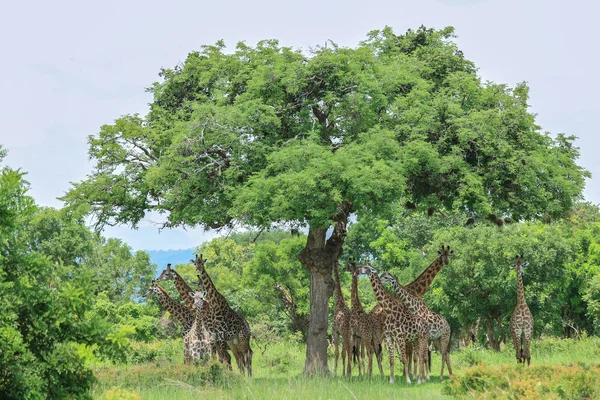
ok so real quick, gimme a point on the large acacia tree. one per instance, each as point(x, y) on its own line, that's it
point(268, 135)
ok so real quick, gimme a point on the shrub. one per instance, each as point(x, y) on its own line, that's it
point(535, 382)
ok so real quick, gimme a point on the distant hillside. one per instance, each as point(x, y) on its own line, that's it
point(163, 257)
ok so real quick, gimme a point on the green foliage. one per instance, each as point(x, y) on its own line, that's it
point(266, 135)
point(548, 382)
point(42, 316)
point(123, 276)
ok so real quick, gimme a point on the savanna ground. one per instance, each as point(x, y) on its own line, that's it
point(560, 369)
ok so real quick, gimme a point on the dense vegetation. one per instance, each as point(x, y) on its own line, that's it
point(396, 144)
point(267, 135)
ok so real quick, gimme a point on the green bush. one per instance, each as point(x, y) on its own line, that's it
point(520, 382)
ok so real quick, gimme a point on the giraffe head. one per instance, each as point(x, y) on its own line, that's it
point(199, 263)
point(445, 254)
point(153, 289)
point(167, 275)
point(199, 298)
point(387, 278)
point(519, 264)
point(365, 268)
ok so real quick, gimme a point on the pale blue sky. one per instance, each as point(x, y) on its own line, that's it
point(70, 66)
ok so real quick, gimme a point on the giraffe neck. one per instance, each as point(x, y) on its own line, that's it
point(339, 297)
point(178, 310)
point(520, 290)
point(419, 286)
point(200, 328)
point(382, 296)
point(213, 296)
point(184, 290)
point(356, 306)
point(406, 297)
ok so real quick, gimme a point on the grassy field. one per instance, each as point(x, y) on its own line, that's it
point(277, 376)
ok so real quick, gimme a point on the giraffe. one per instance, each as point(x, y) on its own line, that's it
point(419, 286)
point(422, 283)
point(341, 327)
point(178, 310)
point(378, 332)
point(197, 340)
point(400, 325)
point(169, 274)
point(521, 321)
point(363, 329)
point(439, 329)
point(224, 324)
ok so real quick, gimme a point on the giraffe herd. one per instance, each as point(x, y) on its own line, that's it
point(401, 319)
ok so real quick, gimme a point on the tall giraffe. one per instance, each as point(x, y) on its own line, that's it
point(178, 310)
point(400, 325)
point(363, 329)
point(422, 283)
point(521, 321)
point(225, 324)
point(169, 274)
point(341, 327)
point(419, 286)
point(438, 327)
point(197, 339)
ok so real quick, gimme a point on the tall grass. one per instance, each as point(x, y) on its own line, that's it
point(277, 375)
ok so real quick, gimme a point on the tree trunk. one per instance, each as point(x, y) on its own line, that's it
point(319, 257)
point(316, 344)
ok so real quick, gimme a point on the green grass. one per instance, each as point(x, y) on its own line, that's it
point(277, 375)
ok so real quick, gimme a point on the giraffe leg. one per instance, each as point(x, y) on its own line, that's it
point(429, 348)
point(356, 350)
point(517, 343)
point(224, 356)
point(379, 355)
point(347, 353)
point(336, 351)
point(246, 355)
point(427, 362)
point(409, 355)
point(370, 358)
point(526, 344)
point(402, 349)
point(445, 352)
point(361, 359)
point(415, 360)
point(390, 345)
point(422, 357)
point(237, 353)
